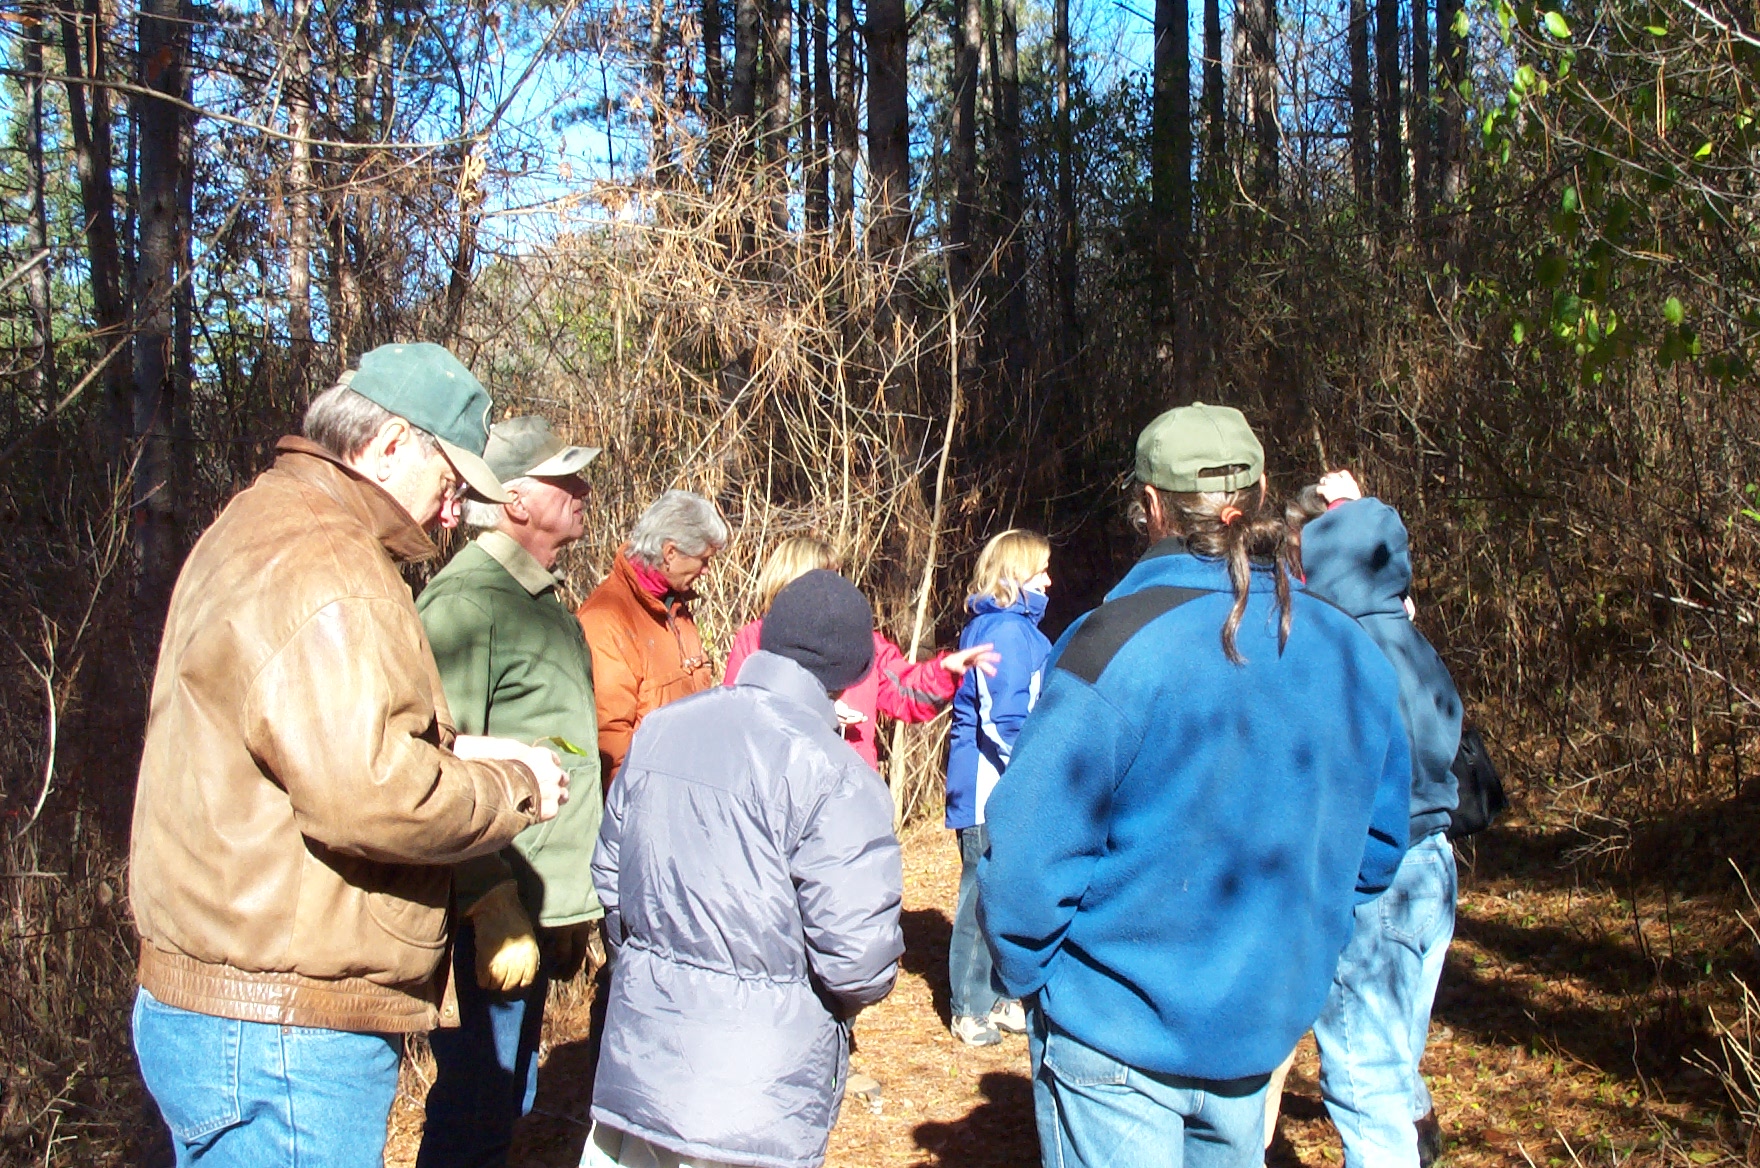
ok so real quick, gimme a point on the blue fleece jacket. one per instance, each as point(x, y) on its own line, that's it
point(1357, 556)
point(1177, 844)
point(988, 712)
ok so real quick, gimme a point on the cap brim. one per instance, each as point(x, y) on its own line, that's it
point(477, 476)
point(570, 460)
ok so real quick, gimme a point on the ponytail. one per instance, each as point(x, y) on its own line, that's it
point(1239, 528)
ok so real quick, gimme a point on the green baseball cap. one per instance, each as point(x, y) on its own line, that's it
point(528, 448)
point(1175, 448)
point(431, 389)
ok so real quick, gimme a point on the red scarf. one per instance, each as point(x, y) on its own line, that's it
point(653, 582)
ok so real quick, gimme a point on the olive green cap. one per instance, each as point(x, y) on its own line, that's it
point(431, 389)
point(1174, 448)
point(528, 448)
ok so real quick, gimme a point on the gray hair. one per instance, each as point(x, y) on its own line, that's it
point(688, 520)
point(481, 516)
point(344, 422)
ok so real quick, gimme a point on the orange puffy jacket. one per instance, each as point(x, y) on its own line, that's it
point(646, 652)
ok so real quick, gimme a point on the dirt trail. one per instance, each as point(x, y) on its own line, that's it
point(1531, 1057)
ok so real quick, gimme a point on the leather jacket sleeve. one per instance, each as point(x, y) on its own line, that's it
point(358, 748)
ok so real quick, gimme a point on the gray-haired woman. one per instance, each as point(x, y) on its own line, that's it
point(638, 623)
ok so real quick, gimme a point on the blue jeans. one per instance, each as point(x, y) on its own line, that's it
point(968, 958)
point(487, 1068)
point(1377, 1017)
point(257, 1095)
point(1095, 1112)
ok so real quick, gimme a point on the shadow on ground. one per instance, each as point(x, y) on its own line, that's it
point(926, 934)
point(996, 1132)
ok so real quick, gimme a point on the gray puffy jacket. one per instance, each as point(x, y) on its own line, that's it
point(751, 885)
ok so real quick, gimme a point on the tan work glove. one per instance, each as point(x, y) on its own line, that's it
point(569, 946)
point(507, 949)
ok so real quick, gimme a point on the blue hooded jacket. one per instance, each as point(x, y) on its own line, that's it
point(988, 712)
point(1177, 846)
point(1357, 556)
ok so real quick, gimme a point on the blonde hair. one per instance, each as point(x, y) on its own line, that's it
point(1008, 561)
point(793, 558)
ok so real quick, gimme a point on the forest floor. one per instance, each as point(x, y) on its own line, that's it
point(1565, 1033)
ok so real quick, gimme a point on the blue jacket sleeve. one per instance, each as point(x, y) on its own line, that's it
point(1390, 821)
point(1004, 701)
point(1047, 821)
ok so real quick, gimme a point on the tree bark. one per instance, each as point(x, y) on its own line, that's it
point(1419, 120)
point(1011, 191)
point(819, 181)
point(659, 140)
point(39, 279)
point(1069, 341)
point(299, 185)
point(962, 216)
point(779, 104)
point(1215, 108)
point(714, 66)
point(89, 128)
point(1390, 170)
point(743, 94)
point(889, 130)
point(1451, 53)
point(1256, 48)
point(846, 143)
point(162, 53)
point(1170, 166)
point(1362, 106)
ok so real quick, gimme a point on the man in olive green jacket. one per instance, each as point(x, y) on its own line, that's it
point(514, 664)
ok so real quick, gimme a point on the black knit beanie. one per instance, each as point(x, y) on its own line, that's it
point(824, 624)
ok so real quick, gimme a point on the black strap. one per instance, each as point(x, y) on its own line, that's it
point(1113, 624)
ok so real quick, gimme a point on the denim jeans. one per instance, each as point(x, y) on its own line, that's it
point(968, 958)
point(1377, 1017)
point(257, 1095)
point(486, 1069)
point(1095, 1112)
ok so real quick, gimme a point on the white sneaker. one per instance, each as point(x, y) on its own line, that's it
point(1009, 1017)
point(975, 1031)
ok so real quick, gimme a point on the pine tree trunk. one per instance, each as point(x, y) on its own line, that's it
point(1215, 109)
point(89, 128)
point(889, 128)
point(1256, 41)
point(1419, 120)
point(962, 217)
point(714, 67)
point(1390, 170)
point(1170, 176)
point(1362, 106)
point(819, 181)
point(659, 140)
point(1451, 54)
point(742, 99)
point(1069, 341)
point(846, 143)
point(299, 184)
point(162, 53)
point(38, 280)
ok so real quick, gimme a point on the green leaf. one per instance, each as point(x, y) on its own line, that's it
point(1673, 312)
point(558, 742)
point(1555, 24)
point(1655, 30)
point(1518, 331)
point(1569, 203)
point(1525, 78)
point(1703, 151)
point(1460, 23)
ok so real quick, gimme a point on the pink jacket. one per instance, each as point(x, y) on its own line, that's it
point(895, 687)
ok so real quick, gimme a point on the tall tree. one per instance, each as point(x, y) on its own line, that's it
point(819, 180)
point(714, 66)
point(845, 138)
point(1451, 63)
point(299, 182)
point(743, 95)
point(659, 137)
point(967, 32)
point(162, 54)
point(1419, 122)
point(1215, 105)
point(1170, 166)
point(1068, 328)
point(1256, 51)
point(88, 118)
point(889, 127)
point(37, 280)
point(1011, 186)
point(1362, 106)
point(1390, 153)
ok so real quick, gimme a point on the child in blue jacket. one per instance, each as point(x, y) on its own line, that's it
point(1007, 601)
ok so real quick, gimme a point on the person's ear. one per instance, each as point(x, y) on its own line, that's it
point(386, 445)
point(1152, 509)
point(516, 504)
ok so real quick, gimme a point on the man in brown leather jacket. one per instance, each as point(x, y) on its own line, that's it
point(302, 793)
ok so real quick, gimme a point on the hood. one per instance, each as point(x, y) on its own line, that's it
point(1357, 556)
point(1028, 604)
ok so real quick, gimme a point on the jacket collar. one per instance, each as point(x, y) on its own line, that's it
point(789, 679)
point(660, 606)
point(522, 565)
point(384, 516)
point(1170, 563)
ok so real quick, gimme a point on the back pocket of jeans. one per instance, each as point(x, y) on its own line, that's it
point(190, 1063)
point(1079, 1065)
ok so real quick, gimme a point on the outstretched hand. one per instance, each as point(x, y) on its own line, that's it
point(1339, 486)
point(983, 656)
